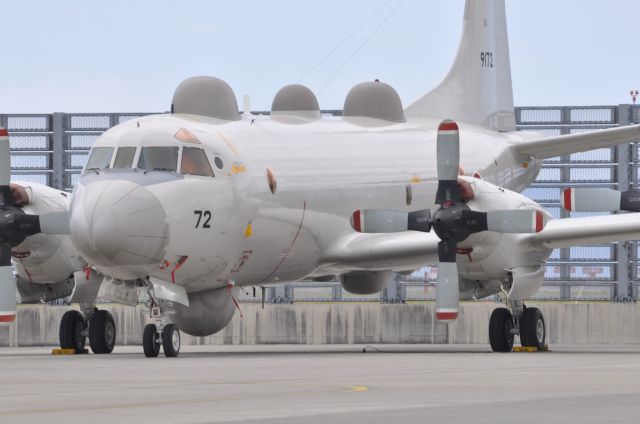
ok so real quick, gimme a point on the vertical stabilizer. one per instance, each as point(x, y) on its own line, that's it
point(477, 89)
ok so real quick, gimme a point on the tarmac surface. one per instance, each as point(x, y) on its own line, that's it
point(329, 383)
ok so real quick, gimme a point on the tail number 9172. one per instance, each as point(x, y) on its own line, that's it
point(204, 218)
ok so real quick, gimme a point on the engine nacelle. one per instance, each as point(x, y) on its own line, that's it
point(44, 258)
point(209, 311)
point(365, 282)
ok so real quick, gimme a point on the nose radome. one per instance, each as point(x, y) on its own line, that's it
point(117, 222)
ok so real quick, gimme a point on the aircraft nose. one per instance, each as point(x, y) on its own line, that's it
point(118, 223)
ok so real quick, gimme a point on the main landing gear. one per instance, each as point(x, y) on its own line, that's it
point(161, 333)
point(96, 324)
point(527, 322)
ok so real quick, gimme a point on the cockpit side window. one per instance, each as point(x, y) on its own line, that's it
point(100, 158)
point(195, 162)
point(124, 157)
point(158, 158)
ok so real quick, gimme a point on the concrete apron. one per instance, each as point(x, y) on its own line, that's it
point(351, 323)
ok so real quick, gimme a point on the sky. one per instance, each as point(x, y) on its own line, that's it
point(128, 56)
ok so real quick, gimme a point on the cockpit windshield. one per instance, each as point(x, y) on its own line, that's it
point(195, 162)
point(100, 158)
point(158, 158)
point(124, 157)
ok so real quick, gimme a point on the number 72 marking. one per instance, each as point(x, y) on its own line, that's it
point(207, 217)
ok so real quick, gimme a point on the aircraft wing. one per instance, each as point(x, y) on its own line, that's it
point(589, 230)
point(572, 143)
point(381, 251)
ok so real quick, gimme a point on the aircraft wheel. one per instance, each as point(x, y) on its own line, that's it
point(500, 330)
point(102, 332)
point(171, 340)
point(71, 327)
point(150, 341)
point(532, 329)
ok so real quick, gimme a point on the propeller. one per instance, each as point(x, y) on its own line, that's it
point(600, 200)
point(15, 227)
point(454, 221)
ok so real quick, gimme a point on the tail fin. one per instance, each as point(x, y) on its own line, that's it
point(477, 89)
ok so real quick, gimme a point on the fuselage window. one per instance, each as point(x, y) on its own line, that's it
point(158, 158)
point(100, 158)
point(124, 157)
point(195, 162)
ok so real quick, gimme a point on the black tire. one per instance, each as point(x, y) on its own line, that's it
point(171, 340)
point(533, 332)
point(500, 334)
point(150, 341)
point(71, 327)
point(102, 332)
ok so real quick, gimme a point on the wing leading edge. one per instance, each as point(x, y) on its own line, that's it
point(589, 230)
point(379, 251)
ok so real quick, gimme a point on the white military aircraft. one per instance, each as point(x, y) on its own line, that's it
point(188, 206)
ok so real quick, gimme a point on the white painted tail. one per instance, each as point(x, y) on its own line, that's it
point(477, 89)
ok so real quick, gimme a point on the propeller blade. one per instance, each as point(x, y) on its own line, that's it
point(389, 221)
point(447, 292)
point(600, 200)
point(54, 222)
point(516, 221)
point(508, 221)
point(448, 157)
point(5, 159)
point(7, 286)
point(5, 169)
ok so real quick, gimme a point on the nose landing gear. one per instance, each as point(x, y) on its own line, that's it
point(161, 333)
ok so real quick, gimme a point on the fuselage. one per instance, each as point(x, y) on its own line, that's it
point(284, 192)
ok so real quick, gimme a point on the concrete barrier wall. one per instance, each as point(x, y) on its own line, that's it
point(360, 323)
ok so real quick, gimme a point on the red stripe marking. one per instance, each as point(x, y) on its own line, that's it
point(539, 221)
point(446, 316)
point(357, 225)
point(567, 199)
point(7, 318)
point(448, 126)
point(4, 132)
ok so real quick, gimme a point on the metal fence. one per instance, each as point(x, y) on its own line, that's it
point(52, 149)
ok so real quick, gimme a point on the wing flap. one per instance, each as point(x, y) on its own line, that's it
point(589, 230)
point(572, 143)
point(378, 251)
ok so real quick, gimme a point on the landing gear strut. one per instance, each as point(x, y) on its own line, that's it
point(527, 322)
point(94, 323)
point(161, 333)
